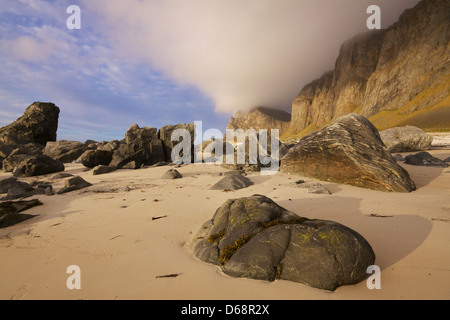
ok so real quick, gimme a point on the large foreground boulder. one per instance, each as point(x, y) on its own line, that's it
point(38, 165)
point(348, 151)
point(255, 238)
point(38, 124)
point(406, 139)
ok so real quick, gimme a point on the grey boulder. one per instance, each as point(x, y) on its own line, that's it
point(232, 182)
point(38, 165)
point(348, 151)
point(424, 159)
point(406, 139)
point(172, 174)
point(73, 184)
point(256, 238)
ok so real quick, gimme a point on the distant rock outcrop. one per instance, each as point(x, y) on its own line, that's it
point(64, 151)
point(261, 118)
point(165, 135)
point(141, 145)
point(406, 139)
point(256, 238)
point(389, 73)
point(348, 151)
point(38, 124)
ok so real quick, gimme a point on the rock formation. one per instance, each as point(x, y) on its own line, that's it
point(260, 118)
point(38, 165)
point(255, 238)
point(388, 74)
point(165, 135)
point(348, 151)
point(64, 151)
point(10, 212)
point(73, 184)
point(38, 124)
point(406, 139)
point(141, 145)
point(232, 182)
point(424, 159)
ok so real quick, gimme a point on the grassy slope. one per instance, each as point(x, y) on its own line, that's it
point(434, 118)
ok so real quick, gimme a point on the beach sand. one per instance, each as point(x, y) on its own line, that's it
point(108, 231)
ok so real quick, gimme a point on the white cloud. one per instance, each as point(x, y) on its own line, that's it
point(242, 53)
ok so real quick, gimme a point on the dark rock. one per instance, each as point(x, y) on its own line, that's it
point(132, 165)
point(102, 170)
point(255, 238)
point(447, 160)
point(37, 165)
point(9, 212)
point(38, 124)
point(108, 145)
point(141, 145)
point(165, 135)
point(31, 149)
point(94, 158)
point(232, 182)
point(399, 157)
point(424, 159)
point(64, 151)
point(348, 151)
point(172, 174)
point(13, 161)
point(406, 139)
point(5, 150)
point(7, 183)
point(23, 190)
point(73, 184)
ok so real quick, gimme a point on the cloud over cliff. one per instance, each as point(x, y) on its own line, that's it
point(240, 53)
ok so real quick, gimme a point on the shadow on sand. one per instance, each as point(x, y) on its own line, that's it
point(392, 238)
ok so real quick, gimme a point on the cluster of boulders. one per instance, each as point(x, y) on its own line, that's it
point(28, 146)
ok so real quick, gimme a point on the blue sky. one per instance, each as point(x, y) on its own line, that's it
point(167, 62)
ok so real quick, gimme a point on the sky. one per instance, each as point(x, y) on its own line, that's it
point(160, 62)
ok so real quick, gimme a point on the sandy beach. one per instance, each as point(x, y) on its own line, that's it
point(108, 231)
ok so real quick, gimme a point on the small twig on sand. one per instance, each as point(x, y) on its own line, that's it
point(174, 275)
point(116, 237)
point(157, 218)
point(374, 215)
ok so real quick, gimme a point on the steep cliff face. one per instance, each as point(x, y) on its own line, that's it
point(261, 118)
point(387, 75)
